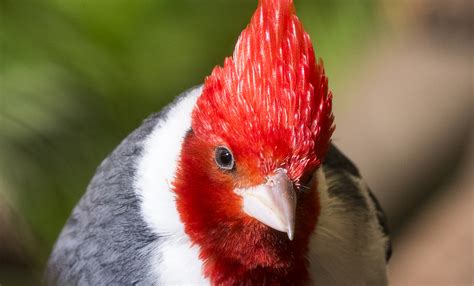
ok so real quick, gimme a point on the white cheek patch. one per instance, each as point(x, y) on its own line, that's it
point(156, 170)
point(157, 167)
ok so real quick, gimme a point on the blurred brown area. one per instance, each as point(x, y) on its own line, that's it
point(436, 247)
point(409, 128)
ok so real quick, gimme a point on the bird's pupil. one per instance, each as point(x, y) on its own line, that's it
point(224, 158)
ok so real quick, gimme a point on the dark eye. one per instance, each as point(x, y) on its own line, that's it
point(224, 158)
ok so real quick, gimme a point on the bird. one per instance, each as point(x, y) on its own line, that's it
point(236, 182)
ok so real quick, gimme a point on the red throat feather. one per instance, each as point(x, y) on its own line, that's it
point(271, 99)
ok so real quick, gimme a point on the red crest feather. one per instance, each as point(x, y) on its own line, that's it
point(271, 99)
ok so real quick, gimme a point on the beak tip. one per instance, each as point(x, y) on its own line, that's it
point(272, 203)
point(291, 234)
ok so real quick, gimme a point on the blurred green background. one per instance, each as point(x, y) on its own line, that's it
point(76, 76)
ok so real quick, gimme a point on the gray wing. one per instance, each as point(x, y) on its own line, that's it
point(105, 238)
point(382, 218)
point(336, 163)
point(105, 241)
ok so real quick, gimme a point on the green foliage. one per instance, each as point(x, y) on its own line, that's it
point(76, 76)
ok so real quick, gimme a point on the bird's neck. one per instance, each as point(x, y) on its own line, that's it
point(224, 272)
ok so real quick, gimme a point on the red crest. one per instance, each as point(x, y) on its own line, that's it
point(270, 100)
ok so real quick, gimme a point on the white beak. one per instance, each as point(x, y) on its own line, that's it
point(272, 203)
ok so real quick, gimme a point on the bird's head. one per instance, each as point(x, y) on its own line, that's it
point(260, 129)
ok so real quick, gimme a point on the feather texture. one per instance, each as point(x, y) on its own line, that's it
point(271, 99)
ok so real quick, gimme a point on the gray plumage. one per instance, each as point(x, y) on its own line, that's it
point(105, 241)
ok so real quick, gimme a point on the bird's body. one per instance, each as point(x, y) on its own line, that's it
point(180, 201)
point(115, 235)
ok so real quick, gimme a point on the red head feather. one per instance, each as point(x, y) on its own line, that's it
point(271, 99)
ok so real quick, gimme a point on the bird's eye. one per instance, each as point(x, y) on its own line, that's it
point(224, 158)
